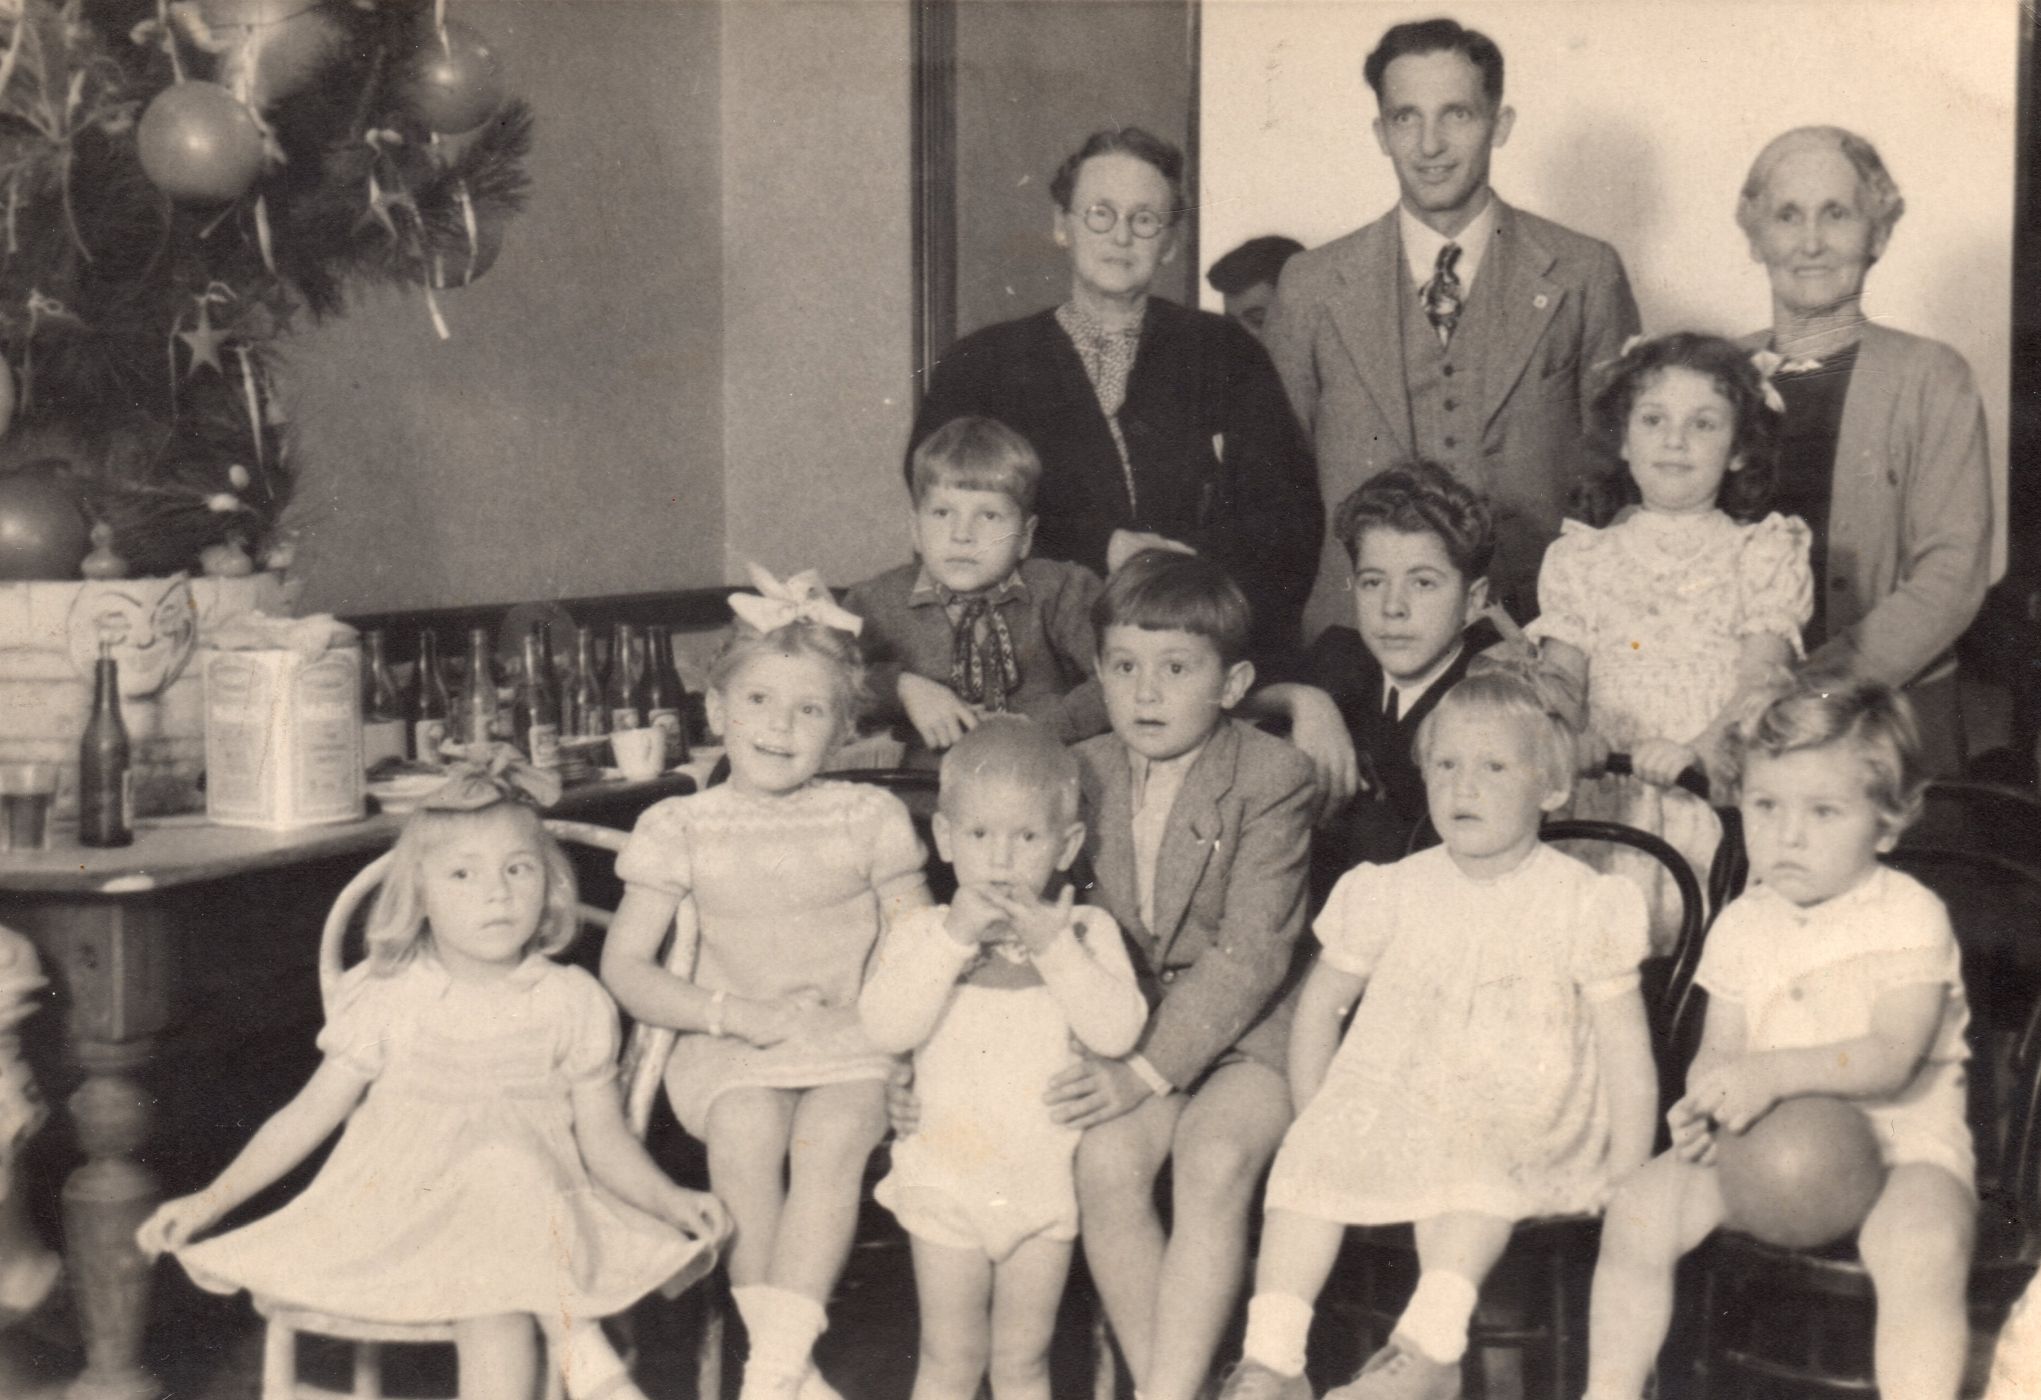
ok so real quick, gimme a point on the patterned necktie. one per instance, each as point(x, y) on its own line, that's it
point(1442, 295)
point(983, 670)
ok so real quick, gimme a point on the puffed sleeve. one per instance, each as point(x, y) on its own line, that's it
point(1725, 969)
point(896, 854)
point(357, 1030)
point(659, 855)
point(1358, 920)
point(589, 1037)
point(1611, 939)
point(1774, 580)
point(1566, 587)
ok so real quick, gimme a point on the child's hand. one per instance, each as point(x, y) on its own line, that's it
point(975, 918)
point(1321, 736)
point(1094, 1091)
point(1693, 1136)
point(696, 1214)
point(1591, 752)
point(935, 711)
point(175, 1222)
point(903, 1106)
point(1734, 1095)
point(765, 1023)
point(1038, 924)
point(1660, 761)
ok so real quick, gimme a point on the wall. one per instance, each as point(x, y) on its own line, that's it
point(817, 285)
point(568, 439)
point(1637, 123)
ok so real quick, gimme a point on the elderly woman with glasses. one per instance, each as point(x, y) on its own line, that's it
point(1883, 451)
point(1157, 426)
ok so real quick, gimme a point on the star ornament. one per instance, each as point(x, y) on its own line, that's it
point(204, 341)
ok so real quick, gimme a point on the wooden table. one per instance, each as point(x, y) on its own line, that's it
point(112, 928)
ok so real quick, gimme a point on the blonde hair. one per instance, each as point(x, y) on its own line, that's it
point(1014, 749)
point(1508, 696)
point(836, 648)
point(1873, 720)
point(397, 922)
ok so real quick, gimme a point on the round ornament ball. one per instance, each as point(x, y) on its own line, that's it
point(1803, 1176)
point(199, 144)
point(43, 531)
point(455, 83)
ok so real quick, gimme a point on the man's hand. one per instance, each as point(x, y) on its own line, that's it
point(1125, 544)
point(935, 711)
point(1094, 1091)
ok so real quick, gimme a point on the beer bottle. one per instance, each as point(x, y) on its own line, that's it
point(538, 707)
point(106, 791)
point(626, 693)
point(587, 711)
point(479, 721)
point(383, 726)
point(431, 706)
point(665, 697)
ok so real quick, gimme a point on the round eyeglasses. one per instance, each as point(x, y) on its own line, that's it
point(1143, 223)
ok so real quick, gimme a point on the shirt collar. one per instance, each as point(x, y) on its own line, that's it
point(1408, 693)
point(1421, 244)
point(927, 593)
point(524, 976)
point(1169, 772)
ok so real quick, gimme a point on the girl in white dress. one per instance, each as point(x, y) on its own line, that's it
point(1833, 974)
point(486, 1177)
point(1681, 601)
point(1498, 1067)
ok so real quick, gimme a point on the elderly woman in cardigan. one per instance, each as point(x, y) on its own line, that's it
point(1157, 425)
point(1883, 452)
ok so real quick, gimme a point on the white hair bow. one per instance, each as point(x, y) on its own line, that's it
point(800, 598)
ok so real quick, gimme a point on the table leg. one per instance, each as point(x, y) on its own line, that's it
point(104, 1201)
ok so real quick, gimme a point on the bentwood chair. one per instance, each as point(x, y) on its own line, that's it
point(1779, 1322)
point(1545, 1273)
point(280, 1378)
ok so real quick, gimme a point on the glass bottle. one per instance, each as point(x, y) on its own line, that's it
point(538, 707)
point(480, 713)
point(431, 705)
point(626, 690)
point(665, 696)
point(384, 728)
point(106, 788)
point(587, 711)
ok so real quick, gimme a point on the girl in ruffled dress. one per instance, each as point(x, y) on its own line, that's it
point(1681, 602)
point(486, 1176)
point(782, 885)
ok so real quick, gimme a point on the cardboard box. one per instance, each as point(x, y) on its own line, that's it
point(283, 736)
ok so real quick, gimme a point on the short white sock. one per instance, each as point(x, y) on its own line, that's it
point(591, 1366)
point(783, 1325)
point(1278, 1325)
point(1436, 1319)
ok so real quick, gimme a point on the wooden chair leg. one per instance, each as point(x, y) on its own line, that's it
point(715, 1303)
point(1105, 1369)
point(368, 1371)
point(279, 1361)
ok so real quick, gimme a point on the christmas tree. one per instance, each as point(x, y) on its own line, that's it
point(181, 182)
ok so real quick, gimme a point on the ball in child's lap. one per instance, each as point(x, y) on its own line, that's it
point(1804, 1175)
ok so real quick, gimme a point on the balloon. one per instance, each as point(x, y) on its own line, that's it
point(199, 144)
point(269, 59)
point(43, 533)
point(455, 85)
point(1802, 1176)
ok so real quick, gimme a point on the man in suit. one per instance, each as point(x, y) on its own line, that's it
point(1455, 328)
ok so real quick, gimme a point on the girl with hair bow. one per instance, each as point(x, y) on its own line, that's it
point(486, 1175)
point(777, 886)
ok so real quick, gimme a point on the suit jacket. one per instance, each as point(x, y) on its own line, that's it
point(1909, 524)
point(1564, 308)
point(1219, 461)
point(1229, 894)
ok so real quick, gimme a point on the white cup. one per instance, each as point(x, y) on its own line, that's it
point(641, 753)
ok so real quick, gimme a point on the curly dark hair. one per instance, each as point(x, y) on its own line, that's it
point(1609, 487)
point(1135, 141)
point(1421, 498)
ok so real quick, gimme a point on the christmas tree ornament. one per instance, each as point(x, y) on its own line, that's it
point(198, 144)
point(226, 560)
point(103, 561)
point(480, 242)
point(455, 83)
point(43, 532)
point(270, 49)
point(204, 339)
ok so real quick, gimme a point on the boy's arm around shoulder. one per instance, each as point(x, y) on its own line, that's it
point(1065, 594)
point(1092, 979)
point(1213, 1002)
